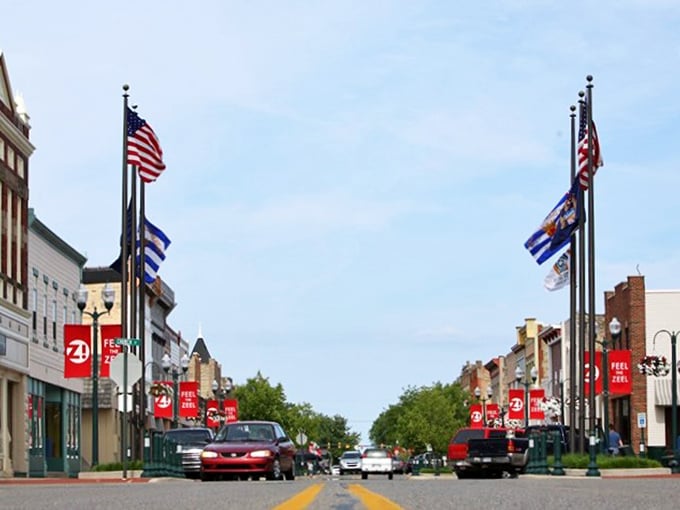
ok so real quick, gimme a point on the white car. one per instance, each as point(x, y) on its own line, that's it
point(377, 461)
point(350, 462)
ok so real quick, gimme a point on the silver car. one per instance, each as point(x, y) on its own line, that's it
point(350, 462)
point(190, 441)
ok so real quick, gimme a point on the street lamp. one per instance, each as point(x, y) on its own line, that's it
point(674, 396)
point(519, 374)
point(166, 363)
point(478, 394)
point(108, 297)
point(220, 394)
point(614, 332)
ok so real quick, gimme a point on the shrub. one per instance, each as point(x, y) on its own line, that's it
point(578, 461)
point(133, 465)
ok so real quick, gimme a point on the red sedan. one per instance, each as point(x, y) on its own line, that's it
point(249, 449)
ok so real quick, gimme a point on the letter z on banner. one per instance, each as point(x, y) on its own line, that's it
point(162, 404)
point(77, 350)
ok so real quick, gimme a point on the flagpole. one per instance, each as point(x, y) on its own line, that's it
point(581, 314)
point(124, 236)
point(572, 298)
point(134, 277)
point(124, 270)
point(142, 314)
point(591, 250)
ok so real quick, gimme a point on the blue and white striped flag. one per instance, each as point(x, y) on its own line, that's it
point(154, 250)
point(556, 229)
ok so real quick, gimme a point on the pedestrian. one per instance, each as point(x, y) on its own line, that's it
point(614, 440)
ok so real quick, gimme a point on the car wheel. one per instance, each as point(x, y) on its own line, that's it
point(342, 472)
point(205, 477)
point(462, 475)
point(364, 476)
point(390, 476)
point(275, 473)
point(290, 474)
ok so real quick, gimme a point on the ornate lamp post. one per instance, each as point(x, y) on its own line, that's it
point(108, 297)
point(167, 365)
point(675, 468)
point(489, 394)
point(519, 374)
point(614, 332)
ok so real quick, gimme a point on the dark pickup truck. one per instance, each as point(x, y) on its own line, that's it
point(494, 456)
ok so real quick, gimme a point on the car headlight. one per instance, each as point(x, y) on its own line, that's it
point(208, 455)
point(261, 453)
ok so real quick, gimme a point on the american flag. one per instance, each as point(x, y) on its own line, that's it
point(582, 149)
point(143, 148)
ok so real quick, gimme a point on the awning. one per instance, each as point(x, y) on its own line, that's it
point(663, 392)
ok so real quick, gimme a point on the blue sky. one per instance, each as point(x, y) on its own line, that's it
point(350, 183)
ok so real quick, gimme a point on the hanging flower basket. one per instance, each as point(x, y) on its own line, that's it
point(656, 366)
point(158, 389)
point(214, 414)
point(551, 407)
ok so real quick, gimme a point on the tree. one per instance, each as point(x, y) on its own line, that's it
point(425, 415)
point(259, 400)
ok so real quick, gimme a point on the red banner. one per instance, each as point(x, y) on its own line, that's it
point(77, 350)
point(231, 410)
point(535, 400)
point(109, 333)
point(212, 416)
point(476, 416)
point(588, 371)
point(515, 404)
point(620, 377)
point(492, 412)
point(162, 404)
point(30, 407)
point(188, 399)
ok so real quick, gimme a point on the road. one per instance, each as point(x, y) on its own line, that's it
point(349, 493)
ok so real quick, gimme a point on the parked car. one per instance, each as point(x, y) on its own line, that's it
point(335, 469)
point(458, 446)
point(398, 465)
point(249, 449)
point(350, 462)
point(376, 461)
point(192, 441)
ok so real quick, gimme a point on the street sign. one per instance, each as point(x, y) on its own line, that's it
point(130, 342)
point(301, 438)
point(134, 369)
point(642, 420)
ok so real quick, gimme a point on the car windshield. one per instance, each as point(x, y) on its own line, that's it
point(376, 454)
point(246, 432)
point(350, 455)
point(189, 436)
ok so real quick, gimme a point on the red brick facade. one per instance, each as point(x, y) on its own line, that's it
point(627, 304)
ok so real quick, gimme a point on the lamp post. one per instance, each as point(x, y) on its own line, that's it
point(478, 394)
point(614, 332)
point(674, 396)
point(519, 375)
point(108, 297)
point(167, 365)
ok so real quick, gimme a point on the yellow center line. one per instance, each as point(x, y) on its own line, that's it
point(372, 500)
point(301, 500)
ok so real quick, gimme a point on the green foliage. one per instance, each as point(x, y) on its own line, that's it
point(425, 415)
point(259, 400)
point(578, 461)
point(133, 465)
